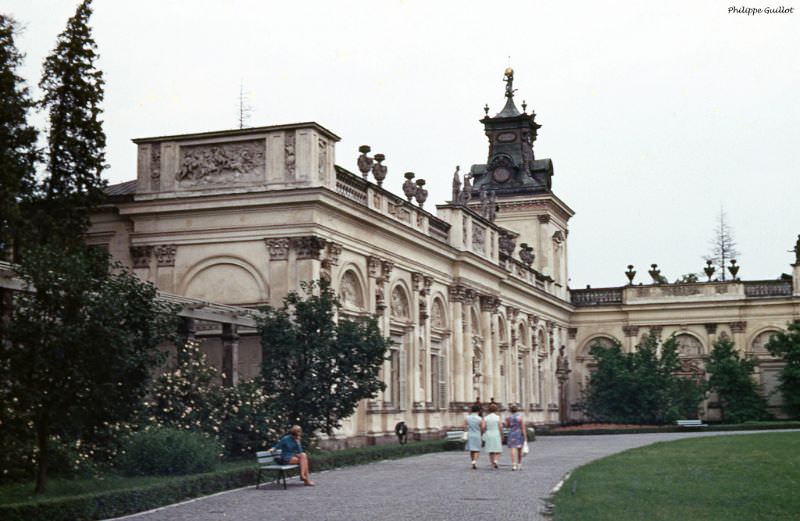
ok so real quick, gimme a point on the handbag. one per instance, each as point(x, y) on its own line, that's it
point(525, 449)
point(464, 436)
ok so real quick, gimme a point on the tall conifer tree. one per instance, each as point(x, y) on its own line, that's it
point(72, 93)
point(17, 140)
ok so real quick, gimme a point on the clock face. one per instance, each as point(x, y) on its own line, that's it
point(501, 174)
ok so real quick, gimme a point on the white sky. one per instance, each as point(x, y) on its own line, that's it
point(655, 113)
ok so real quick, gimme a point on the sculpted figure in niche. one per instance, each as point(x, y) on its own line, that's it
point(399, 303)
point(797, 250)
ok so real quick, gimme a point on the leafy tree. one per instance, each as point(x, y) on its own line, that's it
point(731, 377)
point(79, 348)
point(687, 278)
point(316, 368)
point(723, 245)
point(18, 153)
point(72, 93)
point(641, 386)
point(786, 344)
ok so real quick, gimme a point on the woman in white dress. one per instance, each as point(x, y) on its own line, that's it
point(493, 435)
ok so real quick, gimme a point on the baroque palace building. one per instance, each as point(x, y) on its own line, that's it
point(474, 296)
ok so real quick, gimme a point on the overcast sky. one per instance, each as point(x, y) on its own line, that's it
point(655, 114)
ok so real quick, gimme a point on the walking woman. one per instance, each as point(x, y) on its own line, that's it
point(517, 437)
point(474, 427)
point(494, 435)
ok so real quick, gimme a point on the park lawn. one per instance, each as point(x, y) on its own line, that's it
point(60, 487)
point(738, 477)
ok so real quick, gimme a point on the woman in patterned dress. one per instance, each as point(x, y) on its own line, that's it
point(494, 435)
point(474, 427)
point(516, 437)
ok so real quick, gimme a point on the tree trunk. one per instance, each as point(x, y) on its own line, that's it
point(41, 471)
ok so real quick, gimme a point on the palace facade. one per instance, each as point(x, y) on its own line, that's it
point(473, 292)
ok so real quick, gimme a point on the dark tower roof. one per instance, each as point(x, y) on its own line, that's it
point(511, 167)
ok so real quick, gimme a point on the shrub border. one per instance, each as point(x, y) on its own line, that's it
point(122, 502)
point(674, 428)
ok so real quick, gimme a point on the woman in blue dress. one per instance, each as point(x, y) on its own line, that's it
point(474, 427)
point(516, 437)
point(494, 435)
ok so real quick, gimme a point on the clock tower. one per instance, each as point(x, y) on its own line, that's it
point(512, 168)
point(520, 188)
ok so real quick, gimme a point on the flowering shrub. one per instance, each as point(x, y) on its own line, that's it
point(189, 396)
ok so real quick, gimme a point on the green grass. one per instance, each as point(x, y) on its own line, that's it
point(741, 478)
point(61, 487)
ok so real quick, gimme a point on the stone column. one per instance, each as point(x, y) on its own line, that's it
point(487, 307)
point(631, 334)
point(738, 329)
point(467, 349)
point(187, 328)
point(457, 355)
point(230, 355)
point(497, 380)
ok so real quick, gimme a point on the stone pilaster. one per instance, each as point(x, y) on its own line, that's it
point(457, 293)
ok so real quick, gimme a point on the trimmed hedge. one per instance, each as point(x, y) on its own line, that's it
point(674, 428)
point(128, 501)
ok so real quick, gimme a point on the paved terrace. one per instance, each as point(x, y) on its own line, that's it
point(437, 487)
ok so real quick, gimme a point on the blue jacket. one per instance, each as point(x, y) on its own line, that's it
point(289, 447)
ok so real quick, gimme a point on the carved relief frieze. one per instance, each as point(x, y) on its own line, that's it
point(308, 247)
point(478, 238)
point(400, 212)
point(221, 164)
point(323, 157)
point(155, 164)
point(278, 248)
point(141, 256)
point(289, 154)
point(165, 254)
point(721, 288)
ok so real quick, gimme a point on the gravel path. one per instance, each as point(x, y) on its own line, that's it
point(438, 486)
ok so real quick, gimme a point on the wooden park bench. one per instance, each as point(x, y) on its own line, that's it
point(267, 463)
point(690, 424)
point(454, 435)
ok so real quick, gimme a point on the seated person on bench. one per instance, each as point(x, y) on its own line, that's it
point(292, 453)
